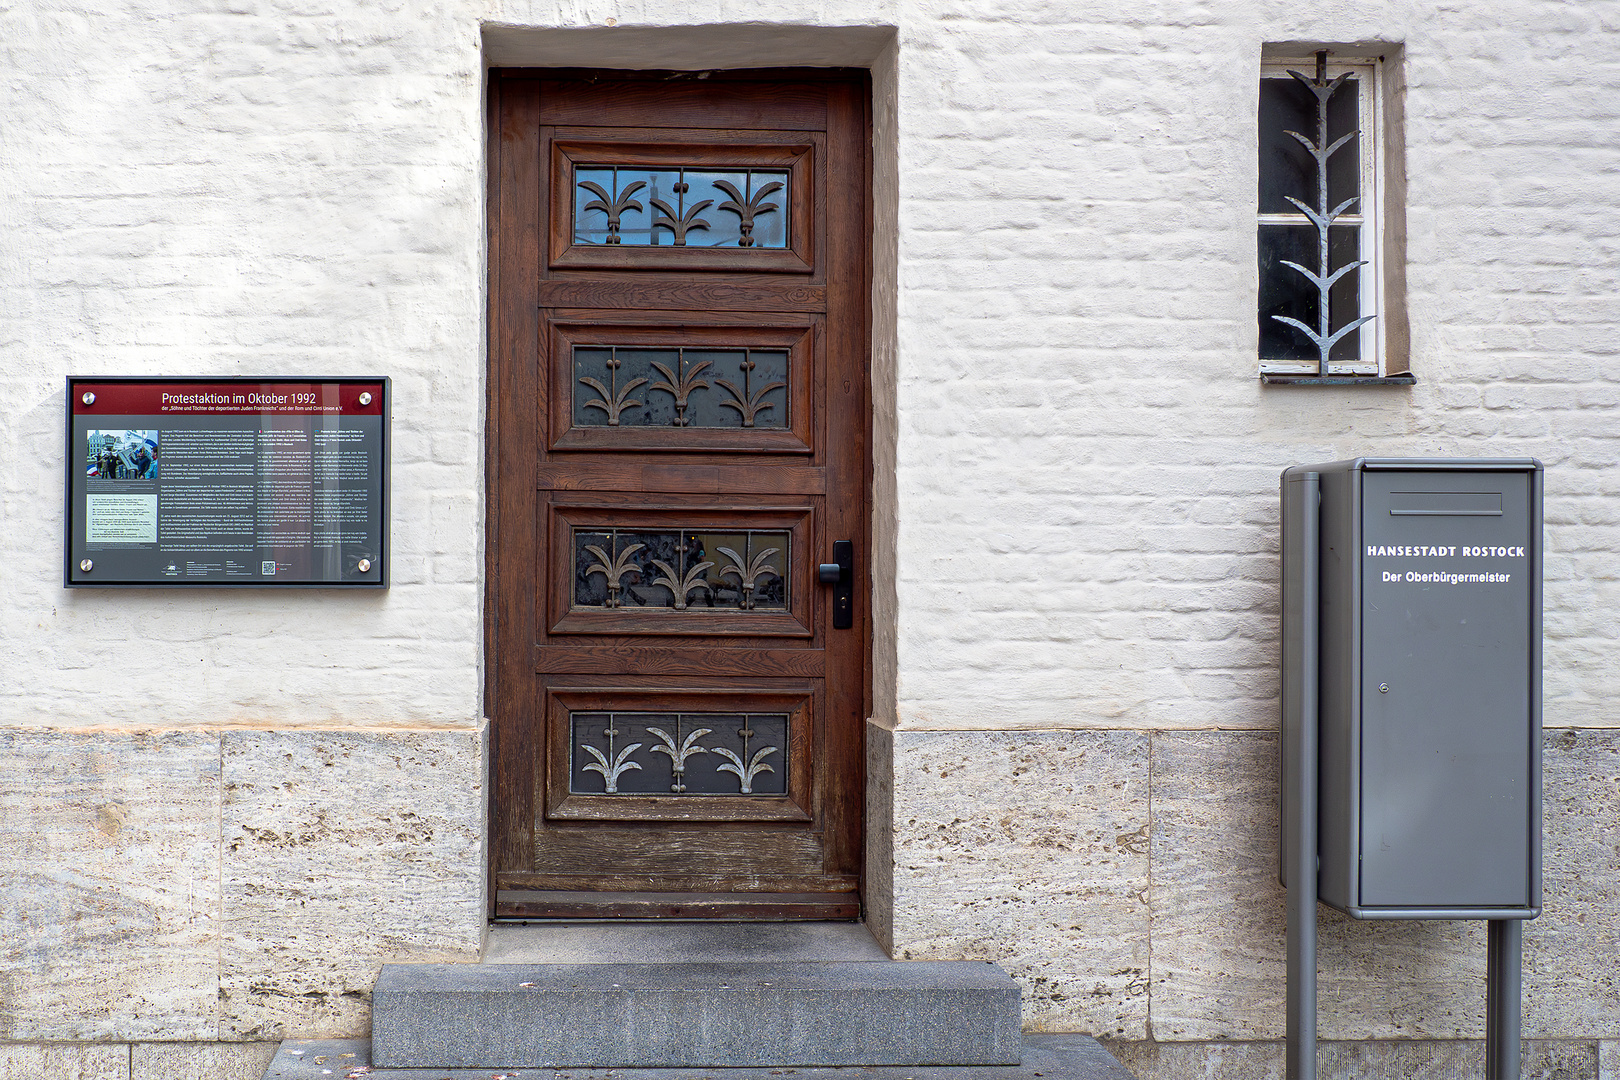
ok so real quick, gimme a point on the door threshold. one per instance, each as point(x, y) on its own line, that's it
point(525, 904)
point(673, 942)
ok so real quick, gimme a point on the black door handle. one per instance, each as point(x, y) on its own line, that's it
point(840, 574)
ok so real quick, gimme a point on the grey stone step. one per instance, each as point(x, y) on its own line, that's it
point(678, 943)
point(1045, 1057)
point(515, 1016)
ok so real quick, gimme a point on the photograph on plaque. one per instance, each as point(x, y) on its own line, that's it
point(227, 483)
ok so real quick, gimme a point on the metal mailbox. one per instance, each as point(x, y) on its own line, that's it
point(1412, 709)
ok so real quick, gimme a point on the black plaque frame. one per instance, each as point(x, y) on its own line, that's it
point(74, 473)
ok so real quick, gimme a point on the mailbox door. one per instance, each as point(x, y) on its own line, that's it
point(1446, 739)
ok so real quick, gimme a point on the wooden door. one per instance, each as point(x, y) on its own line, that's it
point(678, 431)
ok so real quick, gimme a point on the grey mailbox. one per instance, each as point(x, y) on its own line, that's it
point(1412, 710)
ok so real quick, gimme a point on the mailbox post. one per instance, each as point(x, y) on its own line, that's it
point(1411, 713)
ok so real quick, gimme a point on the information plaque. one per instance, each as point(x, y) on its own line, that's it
point(227, 482)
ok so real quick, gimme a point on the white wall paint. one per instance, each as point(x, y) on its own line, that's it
point(1085, 508)
point(242, 189)
point(1087, 467)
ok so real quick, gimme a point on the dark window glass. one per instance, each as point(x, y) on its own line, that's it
point(592, 549)
point(636, 206)
point(715, 570)
point(650, 753)
point(1286, 167)
point(700, 388)
point(1285, 291)
point(746, 388)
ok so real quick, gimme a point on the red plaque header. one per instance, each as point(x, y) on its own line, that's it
point(231, 397)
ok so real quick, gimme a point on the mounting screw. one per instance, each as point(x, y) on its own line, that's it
point(1383, 688)
point(365, 398)
point(365, 566)
point(86, 565)
point(88, 398)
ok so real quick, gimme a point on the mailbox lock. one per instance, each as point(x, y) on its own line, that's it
point(1383, 688)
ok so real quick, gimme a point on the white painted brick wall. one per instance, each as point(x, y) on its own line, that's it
point(239, 189)
point(1086, 467)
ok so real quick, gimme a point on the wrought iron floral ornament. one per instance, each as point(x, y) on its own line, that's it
point(614, 401)
point(682, 585)
point(740, 765)
point(681, 387)
point(747, 401)
point(682, 560)
point(748, 571)
point(748, 209)
point(613, 207)
point(745, 773)
point(1323, 337)
point(679, 754)
point(621, 763)
point(613, 569)
point(677, 222)
point(659, 205)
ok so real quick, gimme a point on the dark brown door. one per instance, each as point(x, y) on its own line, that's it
point(678, 439)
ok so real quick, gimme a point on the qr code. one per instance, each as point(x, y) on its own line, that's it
point(268, 569)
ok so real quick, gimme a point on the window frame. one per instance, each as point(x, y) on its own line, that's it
point(1367, 74)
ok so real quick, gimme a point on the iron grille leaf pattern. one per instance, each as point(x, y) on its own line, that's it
point(678, 754)
point(746, 207)
point(682, 585)
point(639, 206)
point(613, 399)
point(748, 571)
point(746, 773)
point(749, 402)
point(680, 222)
point(613, 206)
point(610, 772)
point(667, 569)
point(680, 387)
point(613, 569)
point(690, 753)
point(1321, 276)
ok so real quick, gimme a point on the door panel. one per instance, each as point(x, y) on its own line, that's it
point(739, 569)
point(798, 101)
point(715, 754)
point(684, 200)
point(681, 381)
point(678, 436)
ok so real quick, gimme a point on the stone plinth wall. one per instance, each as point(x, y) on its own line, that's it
point(235, 885)
point(136, 1061)
point(1129, 881)
point(1455, 1059)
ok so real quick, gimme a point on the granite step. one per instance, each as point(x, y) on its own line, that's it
point(556, 942)
point(638, 1015)
point(1045, 1057)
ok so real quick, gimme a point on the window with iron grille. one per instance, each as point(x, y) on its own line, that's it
point(1320, 217)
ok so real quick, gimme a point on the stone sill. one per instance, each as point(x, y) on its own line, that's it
point(1403, 379)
